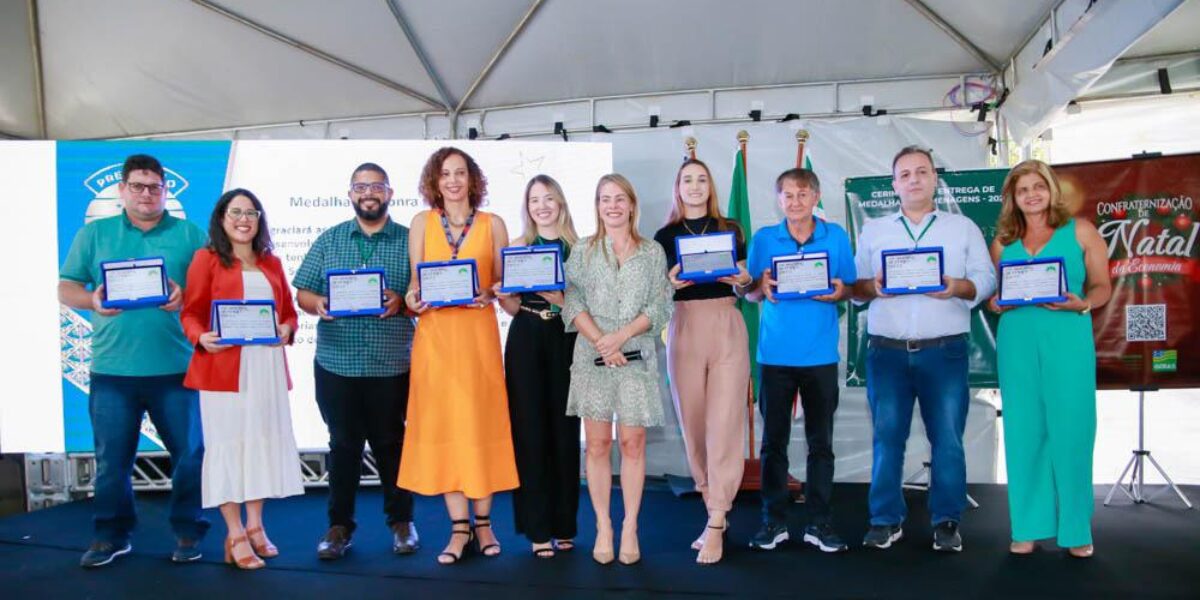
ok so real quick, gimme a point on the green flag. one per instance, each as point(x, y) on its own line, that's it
point(739, 211)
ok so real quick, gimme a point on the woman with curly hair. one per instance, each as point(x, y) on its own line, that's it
point(458, 443)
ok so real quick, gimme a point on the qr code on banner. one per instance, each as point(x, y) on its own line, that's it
point(1146, 322)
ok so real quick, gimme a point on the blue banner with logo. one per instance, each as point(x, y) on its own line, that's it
point(88, 174)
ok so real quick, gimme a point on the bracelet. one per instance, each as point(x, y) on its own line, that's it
point(1087, 309)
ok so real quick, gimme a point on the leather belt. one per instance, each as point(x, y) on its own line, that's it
point(916, 345)
point(545, 314)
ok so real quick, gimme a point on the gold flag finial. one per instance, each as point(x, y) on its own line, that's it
point(801, 135)
point(743, 137)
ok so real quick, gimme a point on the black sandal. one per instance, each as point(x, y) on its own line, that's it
point(454, 558)
point(566, 545)
point(547, 552)
point(485, 521)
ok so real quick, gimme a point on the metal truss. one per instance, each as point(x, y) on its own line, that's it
point(52, 479)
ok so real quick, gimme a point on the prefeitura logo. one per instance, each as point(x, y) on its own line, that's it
point(106, 200)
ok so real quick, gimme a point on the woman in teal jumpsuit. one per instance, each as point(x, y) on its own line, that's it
point(1047, 360)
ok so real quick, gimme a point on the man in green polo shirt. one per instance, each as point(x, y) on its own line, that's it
point(361, 367)
point(139, 358)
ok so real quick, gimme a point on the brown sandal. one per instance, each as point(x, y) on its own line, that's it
point(261, 543)
point(248, 563)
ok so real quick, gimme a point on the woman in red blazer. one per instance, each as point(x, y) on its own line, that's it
point(250, 451)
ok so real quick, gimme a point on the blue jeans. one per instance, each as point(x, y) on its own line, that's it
point(937, 377)
point(116, 404)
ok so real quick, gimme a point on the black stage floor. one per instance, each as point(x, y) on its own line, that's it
point(1141, 551)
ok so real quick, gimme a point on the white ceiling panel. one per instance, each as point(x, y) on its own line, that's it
point(459, 36)
point(582, 49)
point(361, 32)
point(994, 27)
point(1179, 32)
point(151, 73)
point(18, 106)
point(139, 67)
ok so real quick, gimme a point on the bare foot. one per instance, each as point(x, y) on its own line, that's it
point(714, 545)
point(459, 538)
point(1082, 551)
point(544, 550)
point(1021, 548)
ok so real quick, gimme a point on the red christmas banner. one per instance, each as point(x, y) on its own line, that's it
point(1145, 209)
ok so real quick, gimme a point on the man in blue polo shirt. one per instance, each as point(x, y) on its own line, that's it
point(798, 352)
point(139, 358)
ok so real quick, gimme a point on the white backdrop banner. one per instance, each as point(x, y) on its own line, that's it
point(303, 185)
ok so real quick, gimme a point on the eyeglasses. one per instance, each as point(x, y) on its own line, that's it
point(236, 214)
point(137, 188)
point(378, 188)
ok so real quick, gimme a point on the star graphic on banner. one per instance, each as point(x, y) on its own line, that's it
point(528, 167)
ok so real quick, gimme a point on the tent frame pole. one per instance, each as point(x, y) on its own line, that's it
point(39, 84)
point(325, 56)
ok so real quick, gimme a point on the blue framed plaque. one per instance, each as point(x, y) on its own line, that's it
point(803, 276)
point(245, 322)
point(708, 257)
point(448, 283)
point(134, 283)
point(531, 269)
point(1023, 282)
point(355, 292)
point(913, 271)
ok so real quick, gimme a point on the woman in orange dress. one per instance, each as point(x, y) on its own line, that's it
point(458, 442)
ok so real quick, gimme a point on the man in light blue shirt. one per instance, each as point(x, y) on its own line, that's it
point(918, 349)
point(798, 353)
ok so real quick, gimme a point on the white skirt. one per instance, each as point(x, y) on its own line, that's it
point(249, 447)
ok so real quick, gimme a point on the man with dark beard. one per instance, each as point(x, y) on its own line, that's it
point(362, 363)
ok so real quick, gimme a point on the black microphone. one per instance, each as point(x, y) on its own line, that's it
point(631, 355)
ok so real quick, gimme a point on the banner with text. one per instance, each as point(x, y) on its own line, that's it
point(303, 185)
point(1144, 208)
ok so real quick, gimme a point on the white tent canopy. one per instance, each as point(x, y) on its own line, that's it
point(72, 69)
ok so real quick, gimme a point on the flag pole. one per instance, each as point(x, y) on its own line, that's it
point(690, 142)
point(801, 139)
point(742, 138)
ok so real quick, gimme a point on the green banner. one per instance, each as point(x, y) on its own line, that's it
point(974, 194)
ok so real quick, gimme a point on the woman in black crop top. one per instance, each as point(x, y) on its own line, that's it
point(708, 356)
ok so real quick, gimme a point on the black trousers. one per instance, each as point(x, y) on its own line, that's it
point(818, 388)
point(359, 410)
point(537, 368)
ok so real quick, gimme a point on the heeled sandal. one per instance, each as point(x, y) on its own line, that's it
point(546, 552)
point(564, 545)
point(454, 558)
point(485, 521)
point(261, 543)
point(248, 563)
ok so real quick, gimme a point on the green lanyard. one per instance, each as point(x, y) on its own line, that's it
point(362, 250)
point(916, 240)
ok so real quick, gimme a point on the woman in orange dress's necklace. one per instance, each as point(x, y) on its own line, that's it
point(458, 442)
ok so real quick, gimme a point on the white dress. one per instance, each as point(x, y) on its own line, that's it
point(249, 448)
